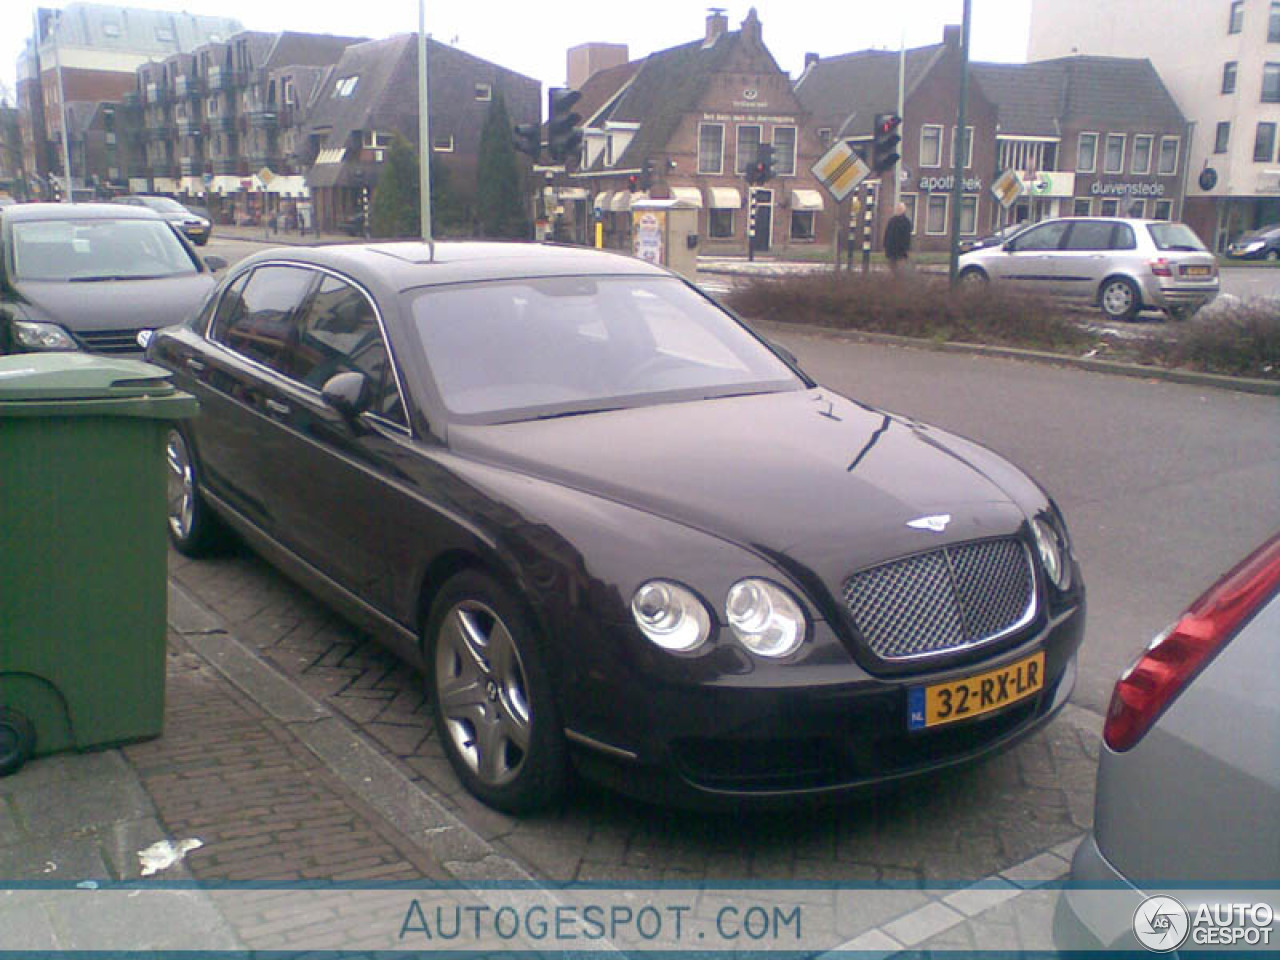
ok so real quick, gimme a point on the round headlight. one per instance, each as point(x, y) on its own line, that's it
point(765, 618)
point(1052, 548)
point(671, 616)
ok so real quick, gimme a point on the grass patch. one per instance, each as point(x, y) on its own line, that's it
point(919, 306)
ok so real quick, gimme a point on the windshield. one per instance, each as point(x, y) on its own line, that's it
point(165, 205)
point(87, 250)
point(1174, 236)
point(555, 346)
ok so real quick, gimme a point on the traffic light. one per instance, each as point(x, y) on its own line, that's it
point(633, 183)
point(884, 146)
point(762, 170)
point(528, 139)
point(646, 176)
point(564, 136)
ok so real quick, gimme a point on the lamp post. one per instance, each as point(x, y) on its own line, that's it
point(424, 127)
point(962, 146)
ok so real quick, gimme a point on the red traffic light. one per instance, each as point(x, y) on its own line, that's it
point(887, 123)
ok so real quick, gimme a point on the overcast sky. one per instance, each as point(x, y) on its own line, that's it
point(531, 38)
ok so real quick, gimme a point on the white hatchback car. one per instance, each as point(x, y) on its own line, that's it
point(1123, 266)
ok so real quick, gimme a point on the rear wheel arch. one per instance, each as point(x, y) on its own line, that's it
point(1134, 288)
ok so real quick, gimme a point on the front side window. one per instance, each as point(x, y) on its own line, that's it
point(784, 151)
point(1047, 236)
point(748, 147)
point(260, 322)
point(1114, 159)
point(711, 148)
point(88, 251)
point(1222, 138)
point(930, 145)
point(502, 351)
point(339, 332)
point(1229, 71)
point(1271, 83)
point(1264, 143)
point(1168, 156)
point(1087, 153)
point(1142, 153)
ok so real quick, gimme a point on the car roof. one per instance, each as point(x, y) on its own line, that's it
point(78, 211)
point(403, 265)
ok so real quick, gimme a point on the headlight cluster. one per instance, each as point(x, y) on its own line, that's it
point(41, 336)
point(1054, 550)
point(764, 617)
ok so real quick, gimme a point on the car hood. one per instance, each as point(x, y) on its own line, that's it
point(807, 475)
point(116, 304)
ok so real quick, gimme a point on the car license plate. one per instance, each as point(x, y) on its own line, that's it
point(943, 703)
point(1195, 271)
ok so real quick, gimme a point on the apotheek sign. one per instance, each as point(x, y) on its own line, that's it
point(1127, 189)
point(945, 184)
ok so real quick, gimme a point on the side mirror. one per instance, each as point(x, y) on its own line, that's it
point(348, 393)
point(215, 262)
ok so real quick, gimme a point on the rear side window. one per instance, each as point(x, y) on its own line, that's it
point(1174, 236)
point(260, 322)
point(339, 332)
point(1122, 238)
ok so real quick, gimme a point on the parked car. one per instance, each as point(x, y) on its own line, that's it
point(1003, 235)
point(1188, 780)
point(197, 228)
point(1123, 266)
point(611, 523)
point(1261, 244)
point(91, 276)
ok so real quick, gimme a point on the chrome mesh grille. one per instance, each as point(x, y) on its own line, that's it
point(959, 596)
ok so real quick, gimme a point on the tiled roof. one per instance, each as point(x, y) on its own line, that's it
point(135, 30)
point(846, 92)
point(307, 49)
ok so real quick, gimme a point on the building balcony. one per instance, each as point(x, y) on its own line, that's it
point(157, 94)
point(190, 128)
point(264, 119)
point(188, 87)
point(191, 166)
point(162, 132)
point(220, 79)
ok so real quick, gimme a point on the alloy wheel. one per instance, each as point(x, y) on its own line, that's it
point(1118, 299)
point(483, 692)
point(181, 486)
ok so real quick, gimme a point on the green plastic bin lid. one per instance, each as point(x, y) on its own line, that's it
point(79, 376)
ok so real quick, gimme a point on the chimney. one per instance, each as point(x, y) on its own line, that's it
point(810, 59)
point(717, 25)
point(751, 27)
point(951, 35)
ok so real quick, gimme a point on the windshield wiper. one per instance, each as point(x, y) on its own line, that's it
point(576, 413)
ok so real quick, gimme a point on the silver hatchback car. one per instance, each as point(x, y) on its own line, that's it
point(1123, 266)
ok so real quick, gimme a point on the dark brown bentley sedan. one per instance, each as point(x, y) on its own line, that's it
point(615, 529)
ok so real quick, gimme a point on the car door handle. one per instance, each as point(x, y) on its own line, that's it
point(195, 366)
point(276, 407)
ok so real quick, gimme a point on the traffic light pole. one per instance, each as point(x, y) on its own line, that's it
point(962, 148)
point(424, 127)
point(751, 223)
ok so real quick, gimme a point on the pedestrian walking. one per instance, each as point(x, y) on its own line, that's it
point(897, 238)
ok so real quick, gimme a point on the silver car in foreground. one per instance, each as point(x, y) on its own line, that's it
point(1188, 803)
point(1123, 266)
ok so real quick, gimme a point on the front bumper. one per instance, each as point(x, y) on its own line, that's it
point(841, 731)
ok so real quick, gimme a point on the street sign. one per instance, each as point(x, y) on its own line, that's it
point(840, 170)
point(1008, 188)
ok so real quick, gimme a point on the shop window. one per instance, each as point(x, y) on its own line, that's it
point(711, 148)
point(1136, 209)
point(1082, 207)
point(1111, 208)
point(1087, 153)
point(936, 214)
point(930, 145)
point(720, 223)
point(804, 224)
point(1164, 210)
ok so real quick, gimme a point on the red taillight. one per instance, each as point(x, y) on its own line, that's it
point(1174, 659)
point(1162, 267)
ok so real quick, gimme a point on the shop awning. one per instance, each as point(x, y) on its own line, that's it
point(621, 201)
point(806, 200)
point(690, 195)
point(224, 185)
point(289, 186)
point(193, 186)
point(166, 185)
point(602, 199)
point(725, 198)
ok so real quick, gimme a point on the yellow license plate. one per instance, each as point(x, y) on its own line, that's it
point(967, 697)
point(1195, 271)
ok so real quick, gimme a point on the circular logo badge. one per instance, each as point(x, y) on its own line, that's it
point(751, 93)
point(1208, 178)
point(1161, 924)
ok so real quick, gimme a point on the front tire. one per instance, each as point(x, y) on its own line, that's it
point(193, 529)
point(491, 697)
point(1119, 298)
point(1271, 256)
point(17, 740)
point(973, 278)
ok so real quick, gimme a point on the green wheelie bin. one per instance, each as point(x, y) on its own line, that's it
point(82, 551)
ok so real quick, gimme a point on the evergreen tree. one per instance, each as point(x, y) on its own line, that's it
point(501, 206)
point(394, 210)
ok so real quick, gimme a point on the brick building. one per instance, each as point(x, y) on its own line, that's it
point(696, 113)
point(371, 95)
point(843, 94)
